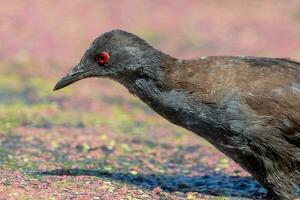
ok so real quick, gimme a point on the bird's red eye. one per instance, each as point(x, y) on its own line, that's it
point(102, 58)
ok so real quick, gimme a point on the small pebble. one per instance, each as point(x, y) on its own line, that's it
point(157, 190)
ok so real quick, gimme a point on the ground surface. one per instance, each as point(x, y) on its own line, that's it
point(103, 146)
point(95, 141)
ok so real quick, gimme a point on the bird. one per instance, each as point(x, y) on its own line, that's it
point(247, 107)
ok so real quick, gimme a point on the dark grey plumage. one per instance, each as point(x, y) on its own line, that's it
point(247, 107)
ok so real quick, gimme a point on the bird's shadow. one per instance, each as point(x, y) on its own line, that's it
point(217, 184)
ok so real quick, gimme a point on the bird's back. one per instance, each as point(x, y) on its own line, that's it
point(215, 78)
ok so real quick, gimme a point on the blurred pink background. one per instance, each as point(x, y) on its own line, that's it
point(57, 32)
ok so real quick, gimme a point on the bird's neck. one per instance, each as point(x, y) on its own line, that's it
point(149, 84)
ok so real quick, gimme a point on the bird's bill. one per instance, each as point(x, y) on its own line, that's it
point(75, 75)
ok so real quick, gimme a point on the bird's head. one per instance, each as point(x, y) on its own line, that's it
point(116, 54)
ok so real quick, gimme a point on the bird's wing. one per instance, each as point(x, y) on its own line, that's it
point(277, 97)
point(282, 110)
